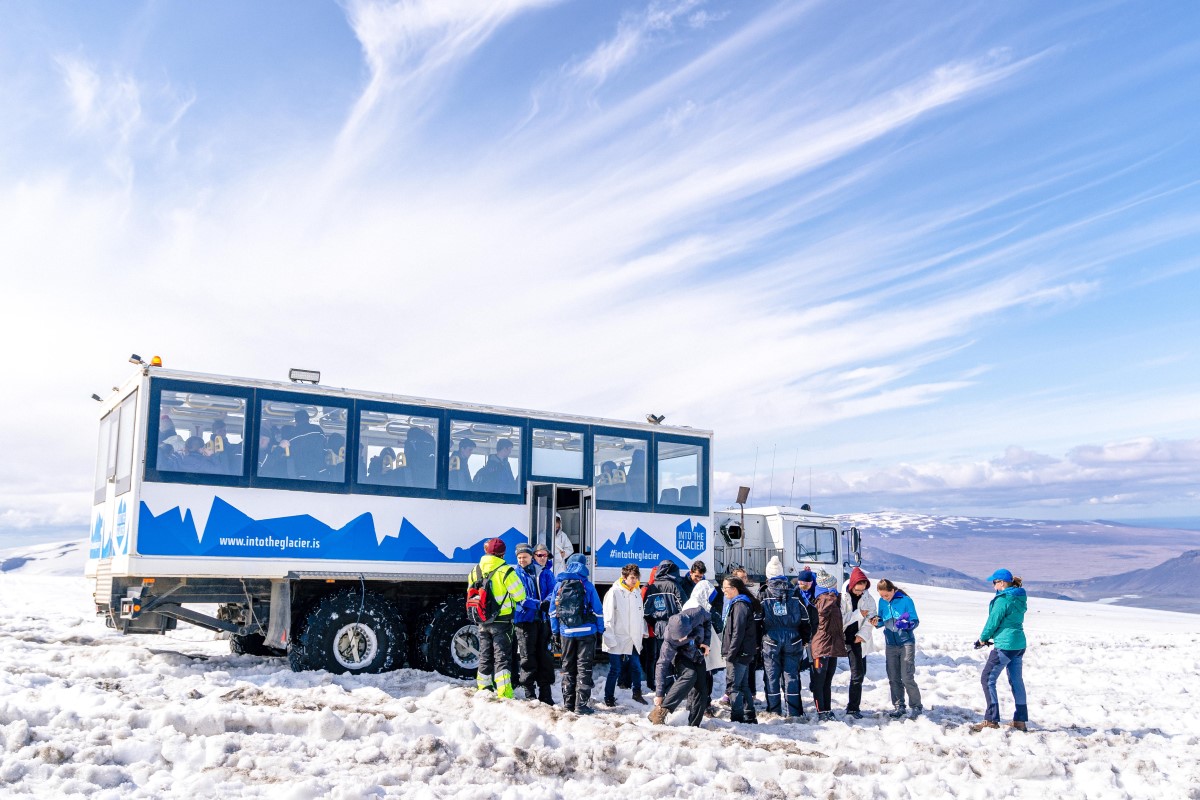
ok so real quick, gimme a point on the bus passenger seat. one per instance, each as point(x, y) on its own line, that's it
point(689, 496)
point(670, 497)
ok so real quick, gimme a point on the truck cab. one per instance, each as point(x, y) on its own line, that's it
point(798, 536)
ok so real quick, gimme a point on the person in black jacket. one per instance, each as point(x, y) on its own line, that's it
point(496, 475)
point(684, 645)
point(665, 580)
point(738, 643)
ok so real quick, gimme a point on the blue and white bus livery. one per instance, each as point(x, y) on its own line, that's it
point(339, 525)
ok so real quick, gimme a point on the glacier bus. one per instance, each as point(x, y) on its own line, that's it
point(339, 525)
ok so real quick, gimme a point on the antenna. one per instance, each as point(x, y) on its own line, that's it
point(771, 497)
point(754, 477)
point(794, 465)
point(810, 486)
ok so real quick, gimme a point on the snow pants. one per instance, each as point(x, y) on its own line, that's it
point(902, 674)
point(536, 662)
point(495, 652)
point(1004, 661)
point(690, 682)
point(781, 674)
point(578, 658)
point(858, 671)
point(822, 682)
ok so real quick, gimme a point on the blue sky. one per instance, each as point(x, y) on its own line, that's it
point(941, 255)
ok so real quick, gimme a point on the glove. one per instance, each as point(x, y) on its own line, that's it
point(903, 623)
point(979, 643)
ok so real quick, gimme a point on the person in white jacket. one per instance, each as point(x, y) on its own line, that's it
point(624, 627)
point(858, 608)
point(703, 594)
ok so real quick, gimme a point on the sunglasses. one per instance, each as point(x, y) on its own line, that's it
point(541, 555)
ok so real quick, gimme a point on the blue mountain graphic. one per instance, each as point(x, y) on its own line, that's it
point(231, 533)
point(640, 548)
point(511, 538)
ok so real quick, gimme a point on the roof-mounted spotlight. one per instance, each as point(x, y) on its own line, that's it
point(97, 398)
point(655, 419)
point(304, 376)
point(136, 359)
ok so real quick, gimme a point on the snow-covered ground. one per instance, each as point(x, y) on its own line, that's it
point(1114, 701)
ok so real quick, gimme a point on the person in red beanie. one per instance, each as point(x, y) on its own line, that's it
point(504, 592)
point(858, 607)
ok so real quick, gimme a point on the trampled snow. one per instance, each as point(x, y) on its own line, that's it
point(1114, 706)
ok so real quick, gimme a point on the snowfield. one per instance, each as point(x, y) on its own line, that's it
point(1114, 707)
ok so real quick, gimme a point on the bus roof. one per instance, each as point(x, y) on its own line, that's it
point(386, 397)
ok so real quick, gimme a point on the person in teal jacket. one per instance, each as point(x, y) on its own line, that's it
point(1005, 629)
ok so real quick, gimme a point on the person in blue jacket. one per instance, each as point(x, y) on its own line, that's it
point(1005, 628)
point(530, 643)
point(898, 618)
point(576, 616)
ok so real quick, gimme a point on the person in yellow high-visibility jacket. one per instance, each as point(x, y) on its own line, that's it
point(496, 634)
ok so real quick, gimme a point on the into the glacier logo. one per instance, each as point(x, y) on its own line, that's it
point(122, 529)
point(690, 539)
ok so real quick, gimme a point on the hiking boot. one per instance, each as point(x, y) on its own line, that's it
point(711, 711)
point(826, 716)
point(916, 712)
point(1018, 726)
point(637, 698)
point(854, 714)
point(898, 712)
point(610, 701)
point(585, 710)
point(658, 715)
point(803, 718)
point(980, 726)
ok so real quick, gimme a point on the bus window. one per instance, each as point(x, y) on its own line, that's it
point(124, 472)
point(106, 455)
point(201, 433)
point(816, 544)
point(679, 473)
point(302, 441)
point(619, 464)
point(486, 457)
point(397, 450)
point(557, 454)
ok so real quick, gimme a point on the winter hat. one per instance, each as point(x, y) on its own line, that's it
point(826, 581)
point(1001, 575)
point(806, 575)
point(774, 568)
point(524, 548)
point(494, 547)
point(857, 576)
point(577, 558)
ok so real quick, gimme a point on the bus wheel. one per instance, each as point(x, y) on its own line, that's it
point(350, 632)
point(449, 643)
point(252, 644)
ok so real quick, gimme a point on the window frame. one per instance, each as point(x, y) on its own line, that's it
point(702, 478)
point(249, 434)
point(651, 473)
point(121, 485)
point(442, 456)
point(567, 427)
point(518, 497)
point(804, 526)
point(302, 398)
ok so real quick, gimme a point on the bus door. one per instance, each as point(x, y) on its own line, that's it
point(541, 509)
point(575, 507)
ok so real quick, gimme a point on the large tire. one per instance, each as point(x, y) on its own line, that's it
point(350, 632)
point(450, 643)
point(416, 640)
point(252, 644)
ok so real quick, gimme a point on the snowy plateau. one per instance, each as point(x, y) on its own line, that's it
point(85, 712)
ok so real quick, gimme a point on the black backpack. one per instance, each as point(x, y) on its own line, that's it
point(661, 606)
point(570, 604)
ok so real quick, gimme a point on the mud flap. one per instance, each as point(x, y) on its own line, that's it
point(280, 624)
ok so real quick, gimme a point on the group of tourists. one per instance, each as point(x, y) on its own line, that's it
point(677, 631)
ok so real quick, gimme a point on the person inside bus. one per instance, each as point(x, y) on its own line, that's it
point(272, 454)
point(195, 458)
point(307, 446)
point(496, 475)
point(226, 457)
point(607, 486)
point(635, 480)
point(381, 466)
point(168, 459)
point(168, 435)
point(460, 473)
point(420, 453)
